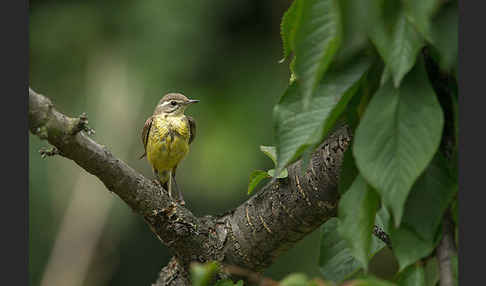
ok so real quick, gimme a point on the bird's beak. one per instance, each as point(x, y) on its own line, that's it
point(191, 101)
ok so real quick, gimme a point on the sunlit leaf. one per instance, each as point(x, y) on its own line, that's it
point(397, 138)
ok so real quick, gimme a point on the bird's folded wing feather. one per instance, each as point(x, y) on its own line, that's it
point(145, 135)
point(192, 128)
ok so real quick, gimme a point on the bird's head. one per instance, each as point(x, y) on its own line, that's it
point(173, 104)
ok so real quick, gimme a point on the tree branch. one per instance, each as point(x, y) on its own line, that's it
point(445, 250)
point(250, 236)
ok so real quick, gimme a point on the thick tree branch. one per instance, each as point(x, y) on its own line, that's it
point(250, 236)
point(141, 194)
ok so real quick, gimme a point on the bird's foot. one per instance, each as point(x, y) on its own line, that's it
point(157, 182)
point(181, 202)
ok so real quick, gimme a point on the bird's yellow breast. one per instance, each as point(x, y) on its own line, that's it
point(168, 142)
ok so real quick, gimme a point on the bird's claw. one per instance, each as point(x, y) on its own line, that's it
point(157, 182)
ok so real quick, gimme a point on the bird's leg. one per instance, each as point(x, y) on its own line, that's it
point(180, 199)
point(157, 179)
point(169, 184)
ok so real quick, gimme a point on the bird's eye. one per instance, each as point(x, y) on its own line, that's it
point(173, 103)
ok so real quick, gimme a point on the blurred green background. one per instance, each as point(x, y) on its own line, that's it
point(114, 60)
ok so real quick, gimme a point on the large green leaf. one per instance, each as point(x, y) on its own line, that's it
point(297, 129)
point(397, 41)
point(288, 27)
point(355, 26)
point(445, 35)
point(413, 275)
point(419, 13)
point(397, 138)
point(357, 211)
point(408, 247)
point(316, 41)
point(429, 198)
point(335, 260)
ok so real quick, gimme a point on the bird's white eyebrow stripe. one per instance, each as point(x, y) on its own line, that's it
point(168, 102)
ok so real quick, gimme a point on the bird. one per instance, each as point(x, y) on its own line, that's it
point(166, 136)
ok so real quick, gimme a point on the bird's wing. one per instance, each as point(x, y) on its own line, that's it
point(192, 128)
point(145, 135)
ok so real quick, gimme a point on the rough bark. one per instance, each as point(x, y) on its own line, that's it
point(445, 250)
point(250, 236)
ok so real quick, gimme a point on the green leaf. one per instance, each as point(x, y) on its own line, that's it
point(455, 268)
point(335, 260)
point(445, 35)
point(408, 247)
point(201, 274)
point(349, 171)
point(398, 43)
point(355, 26)
point(419, 13)
point(283, 174)
point(413, 275)
point(255, 178)
point(296, 279)
point(397, 138)
point(316, 41)
point(228, 282)
point(429, 199)
point(369, 281)
point(357, 211)
point(271, 153)
point(454, 211)
point(296, 129)
point(431, 272)
point(288, 27)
